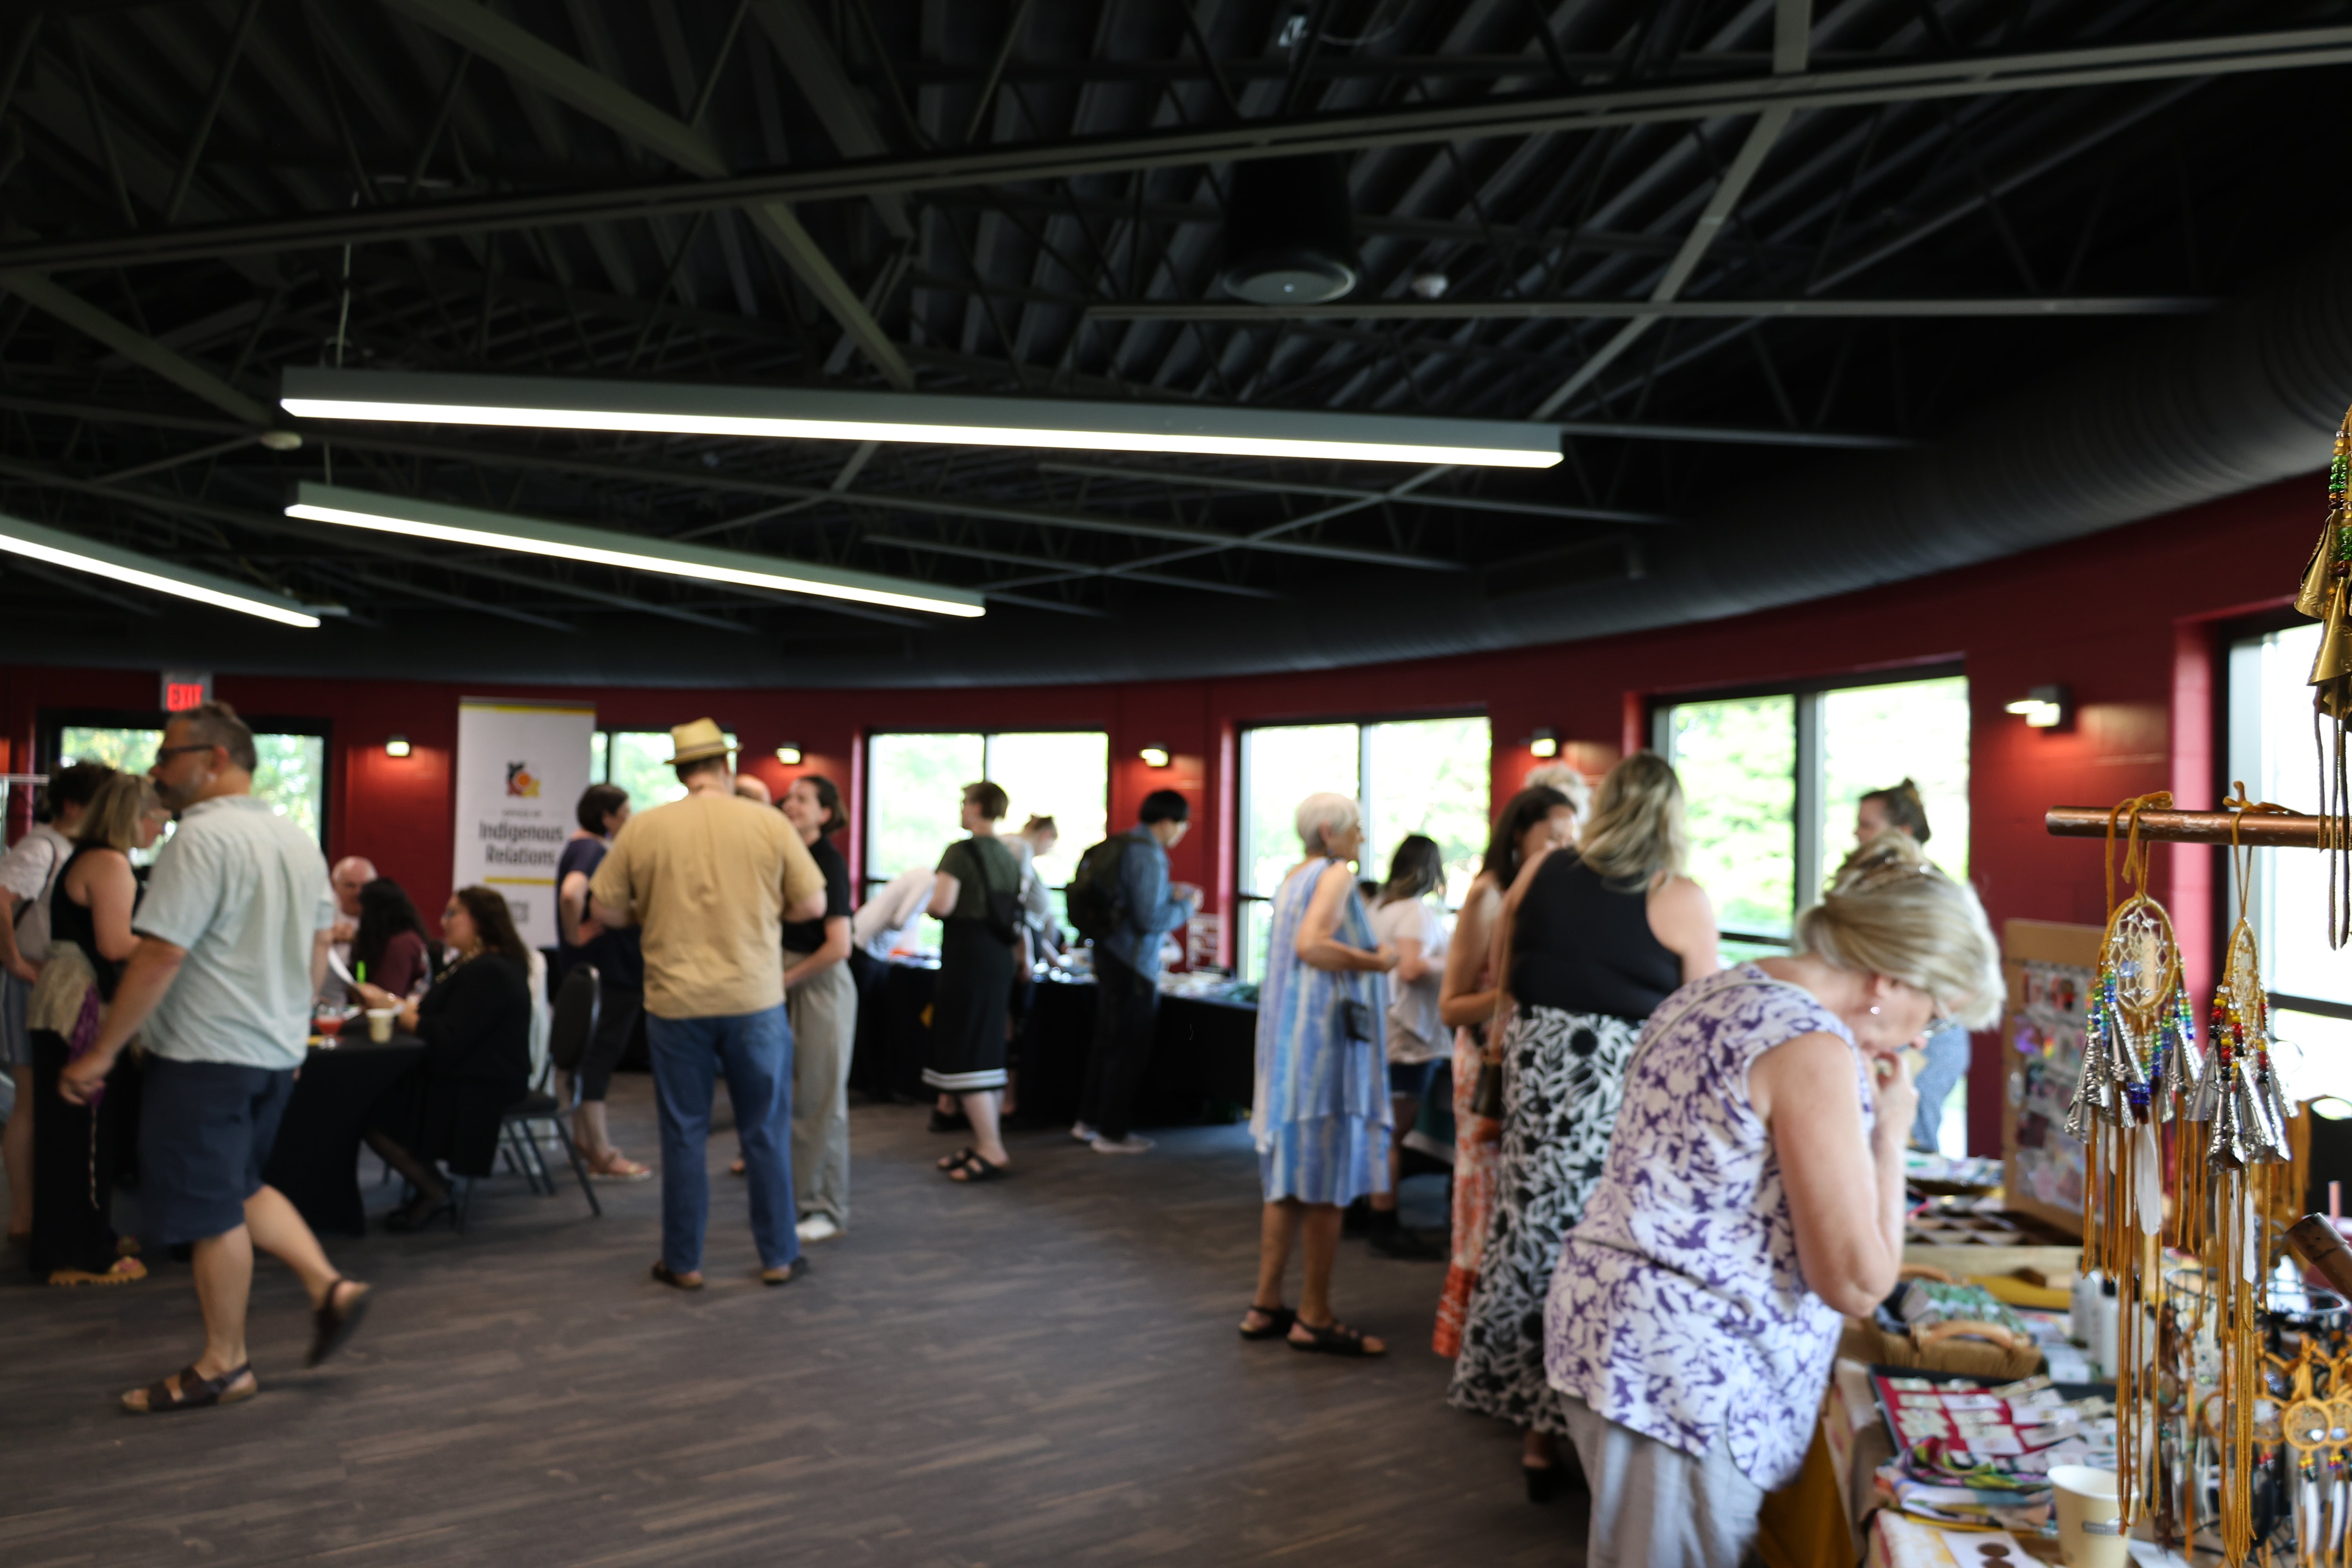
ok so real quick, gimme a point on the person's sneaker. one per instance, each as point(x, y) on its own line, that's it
point(1082, 1133)
point(817, 1228)
point(1133, 1144)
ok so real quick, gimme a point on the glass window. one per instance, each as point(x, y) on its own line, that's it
point(1416, 776)
point(638, 761)
point(1738, 763)
point(1064, 775)
point(2271, 748)
point(915, 784)
point(1773, 781)
point(290, 771)
point(1876, 736)
point(1435, 777)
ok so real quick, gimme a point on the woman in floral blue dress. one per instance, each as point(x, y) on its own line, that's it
point(1753, 1192)
point(1321, 1112)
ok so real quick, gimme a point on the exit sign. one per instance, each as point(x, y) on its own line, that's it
point(186, 689)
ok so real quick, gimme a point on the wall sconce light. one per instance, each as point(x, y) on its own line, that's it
point(1544, 742)
point(2044, 707)
point(398, 746)
point(1154, 756)
point(789, 755)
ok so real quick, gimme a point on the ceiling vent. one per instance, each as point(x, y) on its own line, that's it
point(1289, 235)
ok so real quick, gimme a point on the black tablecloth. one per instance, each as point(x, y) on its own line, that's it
point(1202, 1066)
point(315, 1162)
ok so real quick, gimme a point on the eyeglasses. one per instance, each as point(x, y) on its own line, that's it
point(164, 753)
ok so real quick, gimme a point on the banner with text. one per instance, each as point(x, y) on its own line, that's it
point(522, 767)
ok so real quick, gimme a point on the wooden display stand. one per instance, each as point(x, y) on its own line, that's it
point(2028, 1092)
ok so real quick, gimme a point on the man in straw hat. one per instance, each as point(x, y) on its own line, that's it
point(709, 880)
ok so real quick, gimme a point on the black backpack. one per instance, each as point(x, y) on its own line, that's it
point(1093, 890)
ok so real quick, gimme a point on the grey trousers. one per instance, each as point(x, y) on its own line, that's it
point(1655, 1506)
point(823, 1013)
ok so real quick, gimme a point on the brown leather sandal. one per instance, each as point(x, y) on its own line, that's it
point(334, 1323)
point(194, 1391)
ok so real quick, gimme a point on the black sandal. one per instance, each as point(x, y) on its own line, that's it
point(1279, 1322)
point(333, 1326)
point(196, 1392)
point(1334, 1338)
point(958, 1158)
point(673, 1279)
point(975, 1168)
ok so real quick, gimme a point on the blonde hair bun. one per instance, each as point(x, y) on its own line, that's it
point(1891, 911)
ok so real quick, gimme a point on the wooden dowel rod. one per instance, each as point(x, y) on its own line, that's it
point(2188, 826)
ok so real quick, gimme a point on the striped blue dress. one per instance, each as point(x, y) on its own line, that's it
point(1321, 1115)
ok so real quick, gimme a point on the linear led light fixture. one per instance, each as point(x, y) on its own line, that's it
point(609, 547)
point(545, 403)
point(54, 548)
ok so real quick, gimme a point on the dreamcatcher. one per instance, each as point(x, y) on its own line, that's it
point(2141, 1069)
point(2227, 1191)
point(2327, 586)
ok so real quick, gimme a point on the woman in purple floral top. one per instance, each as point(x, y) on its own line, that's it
point(1753, 1193)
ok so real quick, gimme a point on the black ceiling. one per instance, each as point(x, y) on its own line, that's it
point(980, 193)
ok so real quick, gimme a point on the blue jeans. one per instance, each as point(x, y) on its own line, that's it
point(1948, 1064)
point(756, 1051)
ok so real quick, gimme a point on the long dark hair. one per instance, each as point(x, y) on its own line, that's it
point(1417, 867)
point(828, 796)
point(495, 925)
point(1523, 811)
point(385, 911)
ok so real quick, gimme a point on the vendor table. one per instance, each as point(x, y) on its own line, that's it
point(315, 1162)
point(1203, 1056)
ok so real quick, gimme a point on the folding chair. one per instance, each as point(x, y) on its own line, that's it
point(569, 1031)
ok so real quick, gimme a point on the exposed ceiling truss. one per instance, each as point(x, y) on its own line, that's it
point(1705, 237)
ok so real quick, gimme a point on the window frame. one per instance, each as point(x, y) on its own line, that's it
point(1806, 692)
point(1362, 722)
point(866, 879)
point(2228, 638)
point(50, 723)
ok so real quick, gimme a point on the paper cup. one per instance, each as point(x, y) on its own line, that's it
point(2088, 1535)
point(380, 1021)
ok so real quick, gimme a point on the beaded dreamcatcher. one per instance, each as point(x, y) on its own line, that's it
point(2229, 1181)
point(2140, 1068)
point(2326, 596)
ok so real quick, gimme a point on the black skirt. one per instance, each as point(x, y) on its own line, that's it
point(970, 1010)
point(457, 1120)
point(76, 1151)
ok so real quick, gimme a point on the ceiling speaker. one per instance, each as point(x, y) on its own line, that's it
point(1289, 235)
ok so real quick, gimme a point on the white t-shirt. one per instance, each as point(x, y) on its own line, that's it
point(1414, 1032)
point(242, 891)
point(29, 870)
point(886, 920)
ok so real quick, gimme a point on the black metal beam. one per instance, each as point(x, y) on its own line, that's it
point(1501, 115)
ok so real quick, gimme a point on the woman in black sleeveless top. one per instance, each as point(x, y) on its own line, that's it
point(1590, 941)
point(76, 1148)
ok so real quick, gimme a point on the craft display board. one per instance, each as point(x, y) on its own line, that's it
point(2051, 969)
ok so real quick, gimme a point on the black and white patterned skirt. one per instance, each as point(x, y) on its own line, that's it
point(1563, 1081)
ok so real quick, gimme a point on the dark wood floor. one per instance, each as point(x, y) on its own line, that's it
point(1042, 1370)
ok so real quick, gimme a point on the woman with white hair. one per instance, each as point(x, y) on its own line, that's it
point(1589, 941)
point(1320, 1118)
point(1753, 1194)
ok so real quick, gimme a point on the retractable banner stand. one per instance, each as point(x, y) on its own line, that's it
point(521, 766)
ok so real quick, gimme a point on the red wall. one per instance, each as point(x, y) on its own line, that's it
point(2124, 619)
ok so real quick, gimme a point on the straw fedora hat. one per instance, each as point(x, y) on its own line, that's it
point(693, 741)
